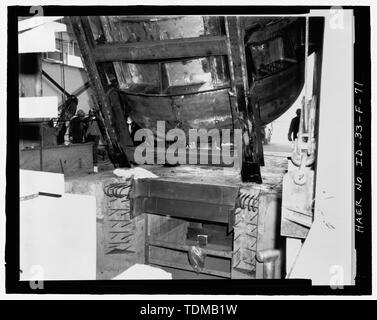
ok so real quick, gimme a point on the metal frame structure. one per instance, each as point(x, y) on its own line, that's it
point(120, 145)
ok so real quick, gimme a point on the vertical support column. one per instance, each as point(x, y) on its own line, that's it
point(237, 63)
point(252, 151)
point(238, 98)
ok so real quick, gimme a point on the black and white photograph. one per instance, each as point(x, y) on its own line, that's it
point(202, 150)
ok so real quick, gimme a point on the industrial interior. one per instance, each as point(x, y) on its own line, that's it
point(90, 85)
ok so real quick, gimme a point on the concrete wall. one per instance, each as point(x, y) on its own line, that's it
point(57, 238)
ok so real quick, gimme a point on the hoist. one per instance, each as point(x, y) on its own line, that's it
point(298, 183)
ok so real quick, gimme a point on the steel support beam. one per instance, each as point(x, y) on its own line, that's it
point(213, 203)
point(160, 50)
point(117, 152)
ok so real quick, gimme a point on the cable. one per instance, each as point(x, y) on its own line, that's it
point(116, 190)
point(248, 200)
